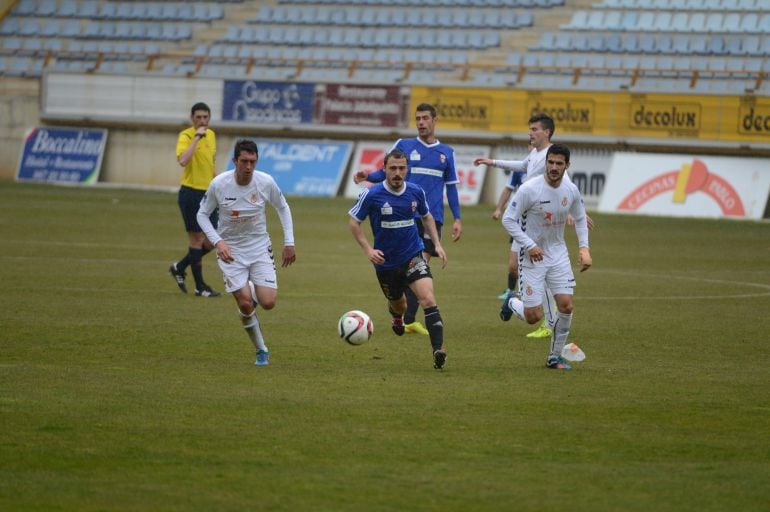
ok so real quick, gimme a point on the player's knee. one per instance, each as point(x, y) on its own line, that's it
point(533, 315)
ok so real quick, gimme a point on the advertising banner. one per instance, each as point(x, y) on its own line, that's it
point(369, 156)
point(362, 105)
point(686, 186)
point(303, 168)
point(63, 155)
point(264, 103)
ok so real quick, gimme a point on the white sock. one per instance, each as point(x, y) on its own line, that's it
point(549, 309)
point(560, 333)
point(251, 325)
point(517, 306)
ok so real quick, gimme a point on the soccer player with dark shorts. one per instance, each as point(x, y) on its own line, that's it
point(397, 252)
point(432, 167)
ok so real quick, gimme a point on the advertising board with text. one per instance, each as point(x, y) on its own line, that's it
point(686, 186)
point(62, 155)
point(303, 168)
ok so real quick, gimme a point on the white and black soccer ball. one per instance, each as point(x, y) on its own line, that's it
point(355, 327)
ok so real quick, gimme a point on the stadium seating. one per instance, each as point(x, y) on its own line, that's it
point(652, 41)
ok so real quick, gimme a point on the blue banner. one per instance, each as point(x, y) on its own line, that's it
point(303, 168)
point(63, 155)
point(268, 102)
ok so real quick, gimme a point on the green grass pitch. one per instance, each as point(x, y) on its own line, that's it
point(117, 392)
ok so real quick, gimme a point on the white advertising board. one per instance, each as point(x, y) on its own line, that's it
point(687, 186)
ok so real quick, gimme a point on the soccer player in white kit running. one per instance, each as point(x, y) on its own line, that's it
point(535, 219)
point(244, 249)
point(541, 129)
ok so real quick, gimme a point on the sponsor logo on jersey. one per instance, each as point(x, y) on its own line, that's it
point(235, 213)
point(386, 209)
point(414, 156)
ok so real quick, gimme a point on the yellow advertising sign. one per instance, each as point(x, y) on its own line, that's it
point(621, 115)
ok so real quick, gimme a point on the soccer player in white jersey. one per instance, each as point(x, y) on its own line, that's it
point(397, 252)
point(244, 249)
point(541, 129)
point(536, 219)
point(432, 167)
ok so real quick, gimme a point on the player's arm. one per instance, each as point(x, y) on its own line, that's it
point(512, 224)
point(206, 208)
point(429, 224)
point(453, 199)
point(278, 201)
point(578, 212)
point(509, 165)
point(374, 255)
point(505, 196)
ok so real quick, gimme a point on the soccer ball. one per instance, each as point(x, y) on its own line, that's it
point(355, 327)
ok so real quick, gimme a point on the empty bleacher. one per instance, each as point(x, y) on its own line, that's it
point(678, 45)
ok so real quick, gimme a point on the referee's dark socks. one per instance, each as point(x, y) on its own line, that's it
point(435, 327)
point(196, 265)
point(411, 306)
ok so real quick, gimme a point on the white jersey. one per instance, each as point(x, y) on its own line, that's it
point(242, 221)
point(537, 216)
point(533, 165)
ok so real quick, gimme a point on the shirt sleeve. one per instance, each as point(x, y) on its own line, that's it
point(278, 201)
point(453, 199)
point(511, 165)
point(578, 212)
point(512, 220)
point(206, 208)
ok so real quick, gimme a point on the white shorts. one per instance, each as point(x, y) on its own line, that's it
point(261, 271)
point(534, 279)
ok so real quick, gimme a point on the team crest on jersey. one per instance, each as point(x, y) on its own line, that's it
point(442, 158)
point(414, 156)
point(386, 209)
point(414, 206)
point(548, 216)
point(564, 201)
point(528, 291)
point(253, 199)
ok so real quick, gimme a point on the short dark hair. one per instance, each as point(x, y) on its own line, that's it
point(545, 120)
point(395, 153)
point(245, 146)
point(426, 107)
point(558, 149)
point(199, 106)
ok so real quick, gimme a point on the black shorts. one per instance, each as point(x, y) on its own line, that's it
point(429, 247)
point(189, 200)
point(395, 281)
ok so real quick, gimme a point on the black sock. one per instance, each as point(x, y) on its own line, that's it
point(512, 280)
point(411, 306)
point(196, 265)
point(435, 327)
point(182, 264)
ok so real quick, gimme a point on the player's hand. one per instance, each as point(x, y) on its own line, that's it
point(288, 256)
point(457, 230)
point(223, 252)
point(496, 214)
point(441, 254)
point(376, 256)
point(201, 131)
point(482, 160)
point(536, 254)
point(589, 222)
point(359, 176)
point(584, 259)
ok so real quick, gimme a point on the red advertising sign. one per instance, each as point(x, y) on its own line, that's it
point(362, 105)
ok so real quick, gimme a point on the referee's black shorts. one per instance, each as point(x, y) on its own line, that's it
point(189, 200)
